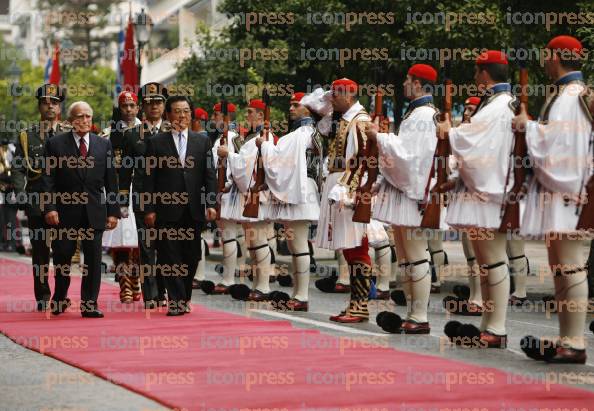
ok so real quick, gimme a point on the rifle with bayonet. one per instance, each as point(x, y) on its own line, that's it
point(222, 163)
point(370, 164)
point(252, 205)
point(436, 200)
point(510, 209)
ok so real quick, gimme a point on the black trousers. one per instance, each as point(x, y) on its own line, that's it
point(153, 286)
point(64, 246)
point(40, 253)
point(8, 214)
point(179, 249)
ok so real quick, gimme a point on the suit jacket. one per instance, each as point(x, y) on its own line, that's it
point(132, 170)
point(166, 178)
point(89, 187)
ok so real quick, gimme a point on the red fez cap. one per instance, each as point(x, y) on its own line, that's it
point(297, 96)
point(230, 107)
point(472, 101)
point(492, 57)
point(424, 71)
point(200, 114)
point(345, 85)
point(126, 97)
point(565, 43)
point(257, 103)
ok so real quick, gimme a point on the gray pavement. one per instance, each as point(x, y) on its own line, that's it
point(31, 381)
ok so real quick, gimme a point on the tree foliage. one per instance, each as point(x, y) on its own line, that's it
point(91, 84)
point(418, 33)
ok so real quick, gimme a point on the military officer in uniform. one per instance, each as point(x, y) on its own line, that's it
point(123, 241)
point(131, 175)
point(27, 168)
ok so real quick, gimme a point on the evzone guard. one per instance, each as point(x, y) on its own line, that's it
point(559, 146)
point(405, 160)
point(468, 299)
point(336, 229)
point(291, 168)
point(482, 147)
point(257, 229)
point(230, 202)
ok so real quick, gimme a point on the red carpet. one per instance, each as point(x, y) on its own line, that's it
point(211, 359)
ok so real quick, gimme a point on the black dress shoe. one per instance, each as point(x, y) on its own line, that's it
point(58, 307)
point(92, 314)
point(150, 304)
point(175, 312)
point(42, 305)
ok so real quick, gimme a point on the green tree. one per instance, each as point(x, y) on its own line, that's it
point(406, 40)
point(77, 20)
point(95, 86)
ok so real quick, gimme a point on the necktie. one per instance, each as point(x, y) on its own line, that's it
point(50, 133)
point(182, 148)
point(83, 148)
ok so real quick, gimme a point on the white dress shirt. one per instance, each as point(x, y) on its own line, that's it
point(77, 140)
point(178, 146)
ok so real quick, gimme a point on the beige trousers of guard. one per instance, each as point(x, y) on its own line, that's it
point(490, 249)
point(297, 235)
point(518, 268)
point(566, 261)
point(414, 258)
point(256, 238)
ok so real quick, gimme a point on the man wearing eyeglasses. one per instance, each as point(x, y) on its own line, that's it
point(181, 184)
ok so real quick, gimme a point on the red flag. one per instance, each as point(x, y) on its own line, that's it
point(55, 74)
point(128, 63)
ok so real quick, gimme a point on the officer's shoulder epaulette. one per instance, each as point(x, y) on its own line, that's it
point(33, 128)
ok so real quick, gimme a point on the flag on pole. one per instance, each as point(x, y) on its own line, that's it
point(128, 64)
point(47, 70)
point(118, 82)
point(54, 77)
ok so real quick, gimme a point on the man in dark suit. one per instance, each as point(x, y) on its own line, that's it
point(131, 177)
point(80, 189)
point(180, 182)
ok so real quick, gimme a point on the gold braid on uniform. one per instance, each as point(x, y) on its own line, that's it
point(352, 178)
point(337, 148)
point(358, 173)
point(24, 139)
point(117, 153)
